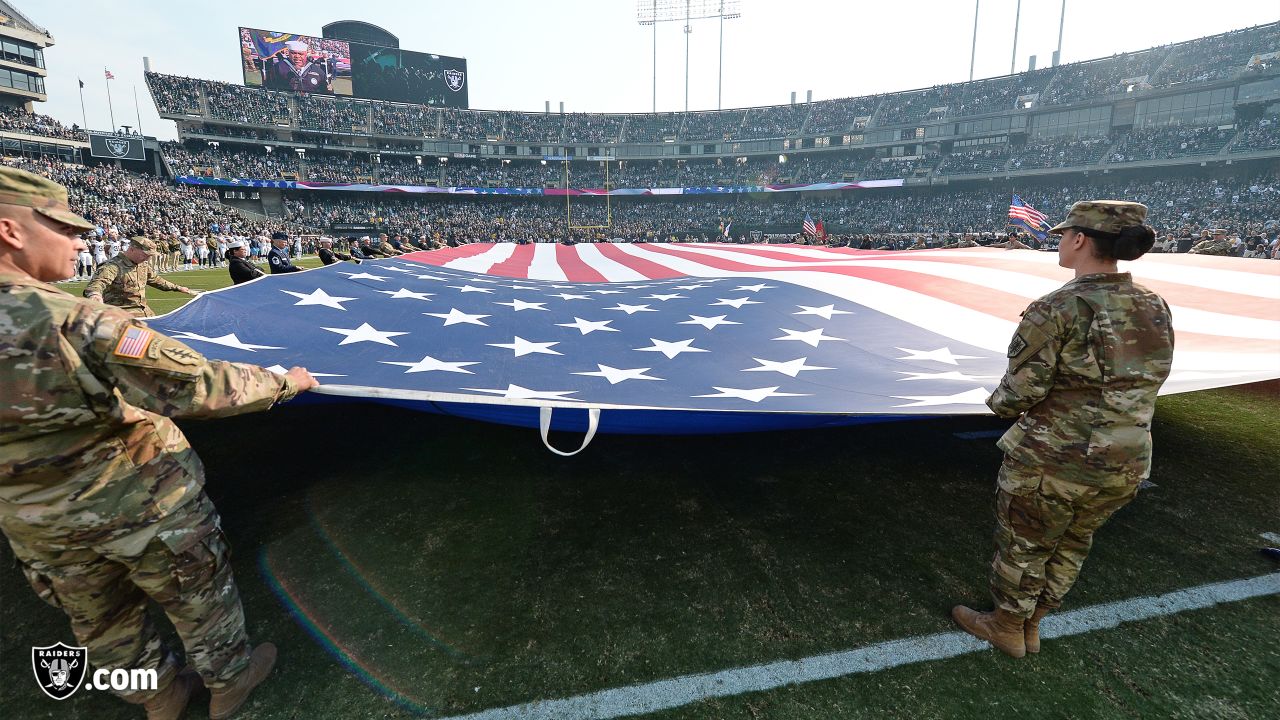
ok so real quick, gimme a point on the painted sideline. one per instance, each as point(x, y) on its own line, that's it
point(665, 694)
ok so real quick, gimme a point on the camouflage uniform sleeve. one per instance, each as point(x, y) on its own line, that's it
point(160, 283)
point(164, 376)
point(105, 276)
point(1033, 359)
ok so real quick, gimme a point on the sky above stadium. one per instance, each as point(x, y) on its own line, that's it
point(595, 57)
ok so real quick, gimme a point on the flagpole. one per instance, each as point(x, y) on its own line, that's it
point(110, 109)
point(83, 117)
point(137, 113)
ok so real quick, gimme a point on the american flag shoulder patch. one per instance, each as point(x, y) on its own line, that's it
point(134, 342)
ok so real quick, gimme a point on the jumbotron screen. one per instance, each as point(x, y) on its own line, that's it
point(302, 63)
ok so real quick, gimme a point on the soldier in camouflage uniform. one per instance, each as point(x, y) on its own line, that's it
point(101, 496)
point(1084, 368)
point(122, 281)
point(1216, 245)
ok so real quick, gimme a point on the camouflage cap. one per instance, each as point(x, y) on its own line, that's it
point(1110, 216)
point(19, 187)
point(142, 243)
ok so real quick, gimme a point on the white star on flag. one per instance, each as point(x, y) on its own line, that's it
point(790, 367)
point(809, 337)
point(470, 288)
point(736, 303)
point(524, 347)
point(428, 364)
point(694, 286)
point(671, 349)
point(406, 293)
point(976, 396)
point(754, 395)
point(586, 327)
point(754, 288)
point(318, 297)
point(524, 287)
point(709, 323)
point(456, 316)
point(942, 355)
point(515, 392)
point(616, 375)
point(391, 268)
point(517, 304)
point(953, 375)
point(632, 309)
point(636, 287)
point(825, 312)
point(663, 298)
point(606, 292)
point(569, 296)
point(363, 276)
point(429, 276)
point(229, 340)
point(365, 333)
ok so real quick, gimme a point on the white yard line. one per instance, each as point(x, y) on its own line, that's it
point(675, 692)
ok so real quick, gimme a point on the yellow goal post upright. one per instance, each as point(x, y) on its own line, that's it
point(568, 199)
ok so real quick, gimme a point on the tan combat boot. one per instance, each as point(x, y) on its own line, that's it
point(998, 627)
point(227, 700)
point(1031, 631)
point(171, 703)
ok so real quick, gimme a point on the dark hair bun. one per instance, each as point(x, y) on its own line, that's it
point(1133, 242)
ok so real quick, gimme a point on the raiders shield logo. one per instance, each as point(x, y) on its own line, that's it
point(119, 148)
point(59, 669)
point(454, 79)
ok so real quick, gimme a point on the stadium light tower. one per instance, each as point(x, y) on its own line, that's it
point(652, 12)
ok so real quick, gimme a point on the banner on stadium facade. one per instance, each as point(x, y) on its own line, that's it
point(533, 191)
point(116, 147)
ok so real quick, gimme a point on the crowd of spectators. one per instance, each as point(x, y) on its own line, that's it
point(332, 114)
point(980, 159)
point(713, 126)
point(175, 95)
point(1081, 81)
point(593, 128)
point(1179, 207)
point(249, 106)
point(655, 127)
point(338, 168)
point(533, 127)
point(1261, 134)
point(1060, 152)
point(238, 162)
point(416, 120)
point(841, 115)
point(1170, 142)
point(470, 124)
point(1218, 57)
point(16, 119)
point(773, 122)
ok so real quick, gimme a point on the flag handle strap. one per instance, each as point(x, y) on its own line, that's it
point(544, 426)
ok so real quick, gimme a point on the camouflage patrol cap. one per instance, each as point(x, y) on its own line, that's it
point(1109, 216)
point(19, 187)
point(142, 243)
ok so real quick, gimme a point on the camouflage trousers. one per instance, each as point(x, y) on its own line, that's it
point(185, 569)
point(1044, 530)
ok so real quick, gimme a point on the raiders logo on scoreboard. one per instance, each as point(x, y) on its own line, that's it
point(454, 79)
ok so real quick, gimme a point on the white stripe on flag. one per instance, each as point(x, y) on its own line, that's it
point(544, 265)
point(612, 270)
point(485, 260)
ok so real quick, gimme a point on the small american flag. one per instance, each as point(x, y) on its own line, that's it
point(1025, 216)
point(809, 227)
point(108, 74)
point(134, 342)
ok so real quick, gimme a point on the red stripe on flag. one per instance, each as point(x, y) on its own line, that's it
point(516, 266)
point(574, 268)
point(444, 255)
point(647, 268)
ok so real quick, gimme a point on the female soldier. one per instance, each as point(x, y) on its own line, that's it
point(1084, 368)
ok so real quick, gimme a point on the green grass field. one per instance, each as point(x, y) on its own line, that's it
point(409, 565)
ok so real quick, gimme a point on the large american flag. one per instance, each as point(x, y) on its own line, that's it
point(718, 329)
point(1034, 221)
